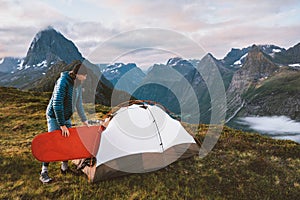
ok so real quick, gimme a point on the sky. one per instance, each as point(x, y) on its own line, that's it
point(150, 31)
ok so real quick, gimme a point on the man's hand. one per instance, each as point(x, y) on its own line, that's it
point(65, 131)
point(86, 123)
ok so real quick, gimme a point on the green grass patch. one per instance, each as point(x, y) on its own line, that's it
point(240, 166)
point(286, 82)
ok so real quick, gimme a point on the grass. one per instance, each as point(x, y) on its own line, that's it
point(286, 82)
point(241, 165)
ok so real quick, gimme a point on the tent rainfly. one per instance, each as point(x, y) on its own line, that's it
point(139, 138)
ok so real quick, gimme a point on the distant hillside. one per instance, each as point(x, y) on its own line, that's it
point(181, 88)
point(125, 77)
point(10, 65)
point(278, 95)
point(290, 56)
point(240, 166)
point(256, 68)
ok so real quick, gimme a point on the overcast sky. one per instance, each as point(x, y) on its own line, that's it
point(214, 26)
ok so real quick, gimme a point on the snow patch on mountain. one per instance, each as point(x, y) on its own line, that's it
point(295, 65)
point(276, 50)
point(42, 64)
point(112, 68)
point(240, 61)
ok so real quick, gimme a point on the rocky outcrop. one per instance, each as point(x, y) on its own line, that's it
point(279, 95)
point(256, 68)
point(274, 105)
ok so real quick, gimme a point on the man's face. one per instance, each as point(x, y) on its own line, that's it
point(81, 77)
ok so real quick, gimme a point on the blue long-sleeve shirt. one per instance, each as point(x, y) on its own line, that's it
point(65, 99)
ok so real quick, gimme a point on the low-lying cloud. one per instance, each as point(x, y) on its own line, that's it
point(279, 127)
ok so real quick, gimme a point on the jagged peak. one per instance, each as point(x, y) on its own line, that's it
point(179, 62)
point(47, 30)
point(258, 64)
point(174, 61)
point(50, 46)
point(209, 56)
point(295, 46)
point(254, 47)
point(119, 65)
point(254, 50)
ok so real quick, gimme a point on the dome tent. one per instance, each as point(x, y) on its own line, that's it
point(139, 138)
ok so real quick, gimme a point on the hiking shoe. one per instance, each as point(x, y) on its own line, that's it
point(69, 171)
point(64, 172)
point(44, 178)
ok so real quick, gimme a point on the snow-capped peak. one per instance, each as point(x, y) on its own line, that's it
point(173, 61)
point(112, 68)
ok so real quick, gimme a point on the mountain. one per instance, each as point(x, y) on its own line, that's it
point(290, 56)
point(49, 54)
point(210, 61)
point(10, 64)
point(236, 57)
point(256, 69)
point(47, 48)
point(279, 95)
point(8, 67)
point(126, 77)
point(180, 87)
point(171, 85)
point(179, 84)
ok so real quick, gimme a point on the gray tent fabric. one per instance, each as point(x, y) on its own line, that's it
point(140, 139)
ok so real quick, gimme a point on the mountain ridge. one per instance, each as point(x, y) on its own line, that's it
point(240, 70)
point(125, 77)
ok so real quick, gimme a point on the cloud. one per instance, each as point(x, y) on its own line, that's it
point(15, 41)
point(158, 40)
point(20, 21)
point(280, 127)
point(220, 41)
point(28, 13)
point(272, 125)
point(216, 25)
point(145, 58)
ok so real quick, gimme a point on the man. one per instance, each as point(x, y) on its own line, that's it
point(66, 97)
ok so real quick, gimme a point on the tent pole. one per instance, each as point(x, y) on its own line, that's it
point(161, 143)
